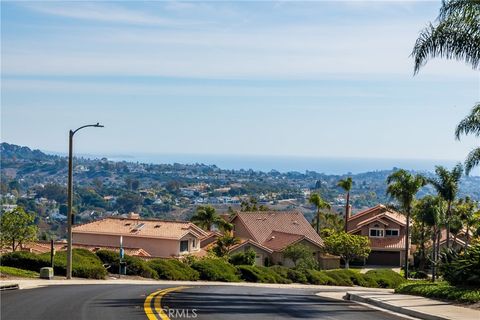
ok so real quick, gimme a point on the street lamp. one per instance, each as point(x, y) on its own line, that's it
point(70, 192)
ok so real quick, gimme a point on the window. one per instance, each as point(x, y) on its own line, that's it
point(194, 243)
point(391, 233)
point(183, 245)
point(376, 233)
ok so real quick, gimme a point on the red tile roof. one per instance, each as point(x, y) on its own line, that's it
point(141, 228)
point(387, 243)
point(286, 226)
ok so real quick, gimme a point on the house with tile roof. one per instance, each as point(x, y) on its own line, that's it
point(268, 233)
point(386, 230)
point(157, 238)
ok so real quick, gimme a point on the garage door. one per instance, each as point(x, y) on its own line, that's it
point(384, 258)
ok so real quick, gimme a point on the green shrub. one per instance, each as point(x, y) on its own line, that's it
point(260, 274)
point(462, 268)
point(243, 258)
point(135, 266)
point(385, 278)
point(11, 271)
point(215, 270)
point(172, 269)
point(85, 263)
point(440, 290)
point(320, 278)
point(297, 276)
point(341, 277)
point(419, 275)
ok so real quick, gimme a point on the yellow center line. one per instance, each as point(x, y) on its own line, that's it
point(157, 302)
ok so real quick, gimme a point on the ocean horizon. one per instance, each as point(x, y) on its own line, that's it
point(327, 165)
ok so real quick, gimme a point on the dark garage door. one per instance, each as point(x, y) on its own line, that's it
point(384, 258)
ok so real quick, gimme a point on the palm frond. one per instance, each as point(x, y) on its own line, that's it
point(473, 160)
point(459, 7)
point(470, 124)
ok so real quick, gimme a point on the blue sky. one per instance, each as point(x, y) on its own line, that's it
point(319, 79)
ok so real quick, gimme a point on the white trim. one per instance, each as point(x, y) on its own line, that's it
point(379, 229)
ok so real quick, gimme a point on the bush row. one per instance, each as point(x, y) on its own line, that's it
point(85, 263)
point(440, 290)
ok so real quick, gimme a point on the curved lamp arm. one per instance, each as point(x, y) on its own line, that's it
point(97, 125)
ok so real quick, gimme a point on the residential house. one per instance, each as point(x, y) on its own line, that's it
point(386, 230)
point(268, 233)
point(158, 238)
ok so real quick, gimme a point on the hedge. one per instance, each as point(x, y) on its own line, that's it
point(85, 263)
point(386, 278)
point(135, 266)
point(212, 269)
point(260, 274)
point(440, 290)
point(172, 269)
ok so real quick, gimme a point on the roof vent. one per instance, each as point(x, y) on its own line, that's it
point(133, 215)
point(157, 226)
point(138, 227)
point(127, 224)
point(273, 237)
point(295, 222)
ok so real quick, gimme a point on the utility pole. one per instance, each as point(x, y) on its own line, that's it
point(70, 216)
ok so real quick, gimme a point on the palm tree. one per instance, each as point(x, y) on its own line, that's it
point(224, 244)
point(206, 218)
point(320, 204)
point(468, 212)
point(346, 184)
point(431, 213)
point(446, 183)
point(470, 125)
point(403, 186)
point(455, 35)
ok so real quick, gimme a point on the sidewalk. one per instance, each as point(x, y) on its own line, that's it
point(414, 306)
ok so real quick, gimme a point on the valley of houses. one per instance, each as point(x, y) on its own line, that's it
point(268, 233)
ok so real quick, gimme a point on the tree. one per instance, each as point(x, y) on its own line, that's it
point(421, 231)
point(224, 244)
point(430, 213)
point(403, 186)
point(456, 35)
point(320, 204)
point(347, 246)
point(467, 211)
point(17, 227)
point(470, 125)
point(251, 205)
point(446, 183)
point(346, 184)
point(297, 252)
point(206, 217)
point(129, 202)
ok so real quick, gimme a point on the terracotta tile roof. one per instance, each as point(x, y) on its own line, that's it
point(387, 243)
point(262, 224)
point(379, 211)
point(141, 228)
point(277, 240)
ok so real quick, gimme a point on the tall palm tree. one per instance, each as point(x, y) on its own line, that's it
point(470, 125)
point(346, 184)
point(206, 217)
point(455, 35)
point(320, 204)
point(403, 186)
point(446, 183)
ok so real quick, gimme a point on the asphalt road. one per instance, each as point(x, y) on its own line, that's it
point(201, 302)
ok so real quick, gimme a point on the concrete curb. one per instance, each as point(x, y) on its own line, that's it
point(13, 286)
point(387, 306)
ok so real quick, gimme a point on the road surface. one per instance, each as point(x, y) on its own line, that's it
point(86, 302)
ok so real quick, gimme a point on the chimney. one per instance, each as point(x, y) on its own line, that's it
point(133, 215)
point(349, 212)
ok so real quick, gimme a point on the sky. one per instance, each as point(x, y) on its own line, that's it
point(313, 79)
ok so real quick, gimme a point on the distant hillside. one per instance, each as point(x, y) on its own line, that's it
point(12, 151)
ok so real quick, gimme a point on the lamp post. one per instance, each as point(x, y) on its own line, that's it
point(69, 196)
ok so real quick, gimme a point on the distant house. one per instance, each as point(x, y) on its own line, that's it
point(386, 230)
point(158, 238)
point(268, 233)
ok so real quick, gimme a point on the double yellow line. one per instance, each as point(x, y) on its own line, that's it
point(157, 303)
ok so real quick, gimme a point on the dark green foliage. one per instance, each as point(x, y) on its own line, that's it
point(85, 263)
point(419, 275)
point(440, 290)
point(320, 278)
point(215, 270)
point(243, 258)
point(135, 266)
point(297, 276)
point(385, 278)
point(260, 274)
point(462, 268)
point(172, 269)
